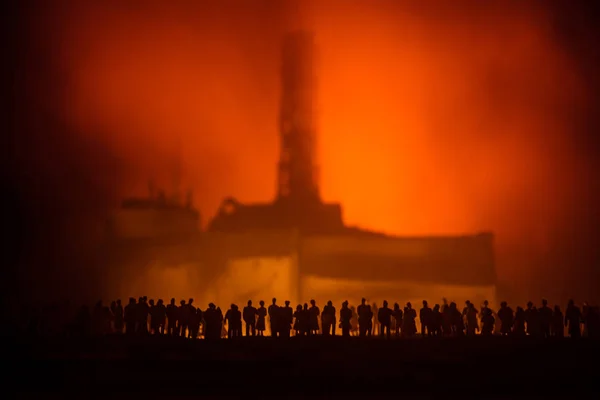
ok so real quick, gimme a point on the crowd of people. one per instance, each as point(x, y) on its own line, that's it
point(147, 317)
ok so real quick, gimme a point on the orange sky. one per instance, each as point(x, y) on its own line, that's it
point(433, 119)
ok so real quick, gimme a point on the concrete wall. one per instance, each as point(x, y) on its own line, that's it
point(464, 260)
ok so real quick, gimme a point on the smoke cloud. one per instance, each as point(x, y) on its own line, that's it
point(433, 118)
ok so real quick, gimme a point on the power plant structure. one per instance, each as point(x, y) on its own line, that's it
point(294, 248)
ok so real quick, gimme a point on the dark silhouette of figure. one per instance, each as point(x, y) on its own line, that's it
point(143, 312)
point(118, 316)
point(532, 320)
point(233, 317)
point(153, 317)
point(219, 318)
point(544, 319)
point(573, 320)
point(558, 327)
point(213, 323)
point(305, 320)
point(172, 317)
point(507, 318)
point(409, 326)
point(298, 320)
point(519, 325)
point(328, 319)
point(161, 317)
point(249, 315)
point(457, 322)
point(261, 313)
point(365, 316)
point(398, 315)
point(345, 319)
point(436, 321)
point(196, 315)
point(184, 318)
point(190, 311)
point(130, 317)
point(425, 318)
point(384, 317)
point(287, 318)
point(354, 329)
point(447, 326)
point(274, 318)
point(470, 315)
point(374, 323)
point(315, 312)
point(487, 320)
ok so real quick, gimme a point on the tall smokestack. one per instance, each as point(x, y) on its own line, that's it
point(297, 174)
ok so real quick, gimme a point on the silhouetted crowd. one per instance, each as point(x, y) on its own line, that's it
point(147, 317)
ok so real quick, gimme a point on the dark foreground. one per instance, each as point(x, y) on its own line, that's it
point(337, 367)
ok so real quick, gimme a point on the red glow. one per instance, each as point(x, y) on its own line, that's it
point(433, 120)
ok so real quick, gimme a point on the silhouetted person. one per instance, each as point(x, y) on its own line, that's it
point(425, 318)
point(118, 317)
point(172, 317)
point(519, 325)
point(409, 325)
point(184, 318)
point(374, 324)
point(153, 317)
point(398, 315)
point(485, 309)
point(447, 326)
point(213, 323)
point(545, 319)
point(531, 318)
point(233, 317)
point(222, 331)
point(249, 315)
point(507, 318)
point(305, 320)
point(261, 314)
point(315, 312)
point(487, 321)
point(457, 322)
point(436, 321)
point(195, 321)
point(287, 318)
point(558, 327)
point(274, 318)
point(298, 320)
point(328, 319)
point(573, 320)
point(364, 317)
point(470, 314)
point(143, 311)
point(345, 319)
point(384, 316)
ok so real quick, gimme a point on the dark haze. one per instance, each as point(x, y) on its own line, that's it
point(80, 139)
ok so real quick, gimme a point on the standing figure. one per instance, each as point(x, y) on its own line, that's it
point(384, 317)
point(274, 318)
point(531, 318)
point(364, 317)
point(345, 319)
point(507, 319)
point(233, 317)
point(261, 313)
point(573, 320)
point(398, 315)
point(519, 326)
point(249, 315)
point(328, 319)
point(172, 317)
point(287, 317)
point(315, 312)
point(409, 326)
point(545, 319)
point(118, 317)
point(436, 321)
point(298, 320)
point(425, 318)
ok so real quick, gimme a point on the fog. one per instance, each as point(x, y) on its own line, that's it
point(434, 118)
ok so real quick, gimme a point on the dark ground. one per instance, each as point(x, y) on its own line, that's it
point(338, 367)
